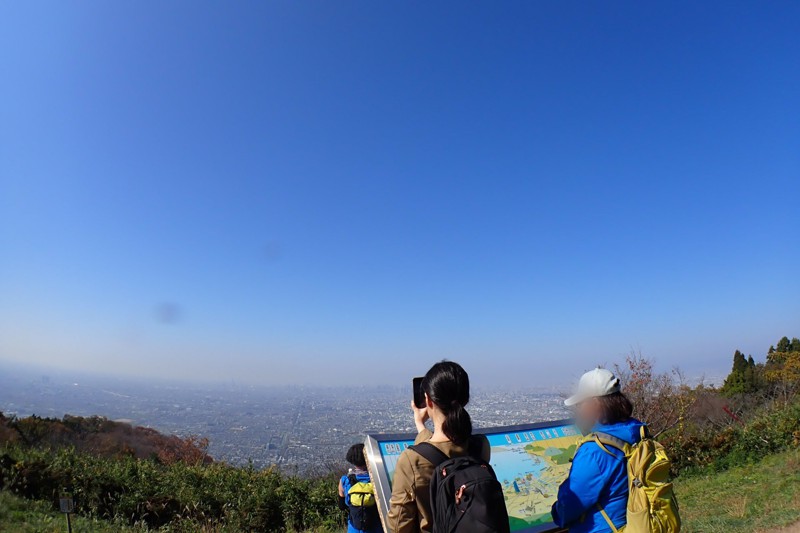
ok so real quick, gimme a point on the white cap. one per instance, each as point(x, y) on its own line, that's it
point(597, 382)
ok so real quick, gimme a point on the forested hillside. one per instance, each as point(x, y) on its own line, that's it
point(138, 477)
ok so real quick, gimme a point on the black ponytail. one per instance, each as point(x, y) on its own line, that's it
point(447, 385)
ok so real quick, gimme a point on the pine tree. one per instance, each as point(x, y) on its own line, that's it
point(739, 362)
point(784, 345)
point(794, 346)
point(739, 381)
point(749, 383)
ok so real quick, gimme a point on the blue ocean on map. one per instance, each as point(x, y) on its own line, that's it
point(513, 462)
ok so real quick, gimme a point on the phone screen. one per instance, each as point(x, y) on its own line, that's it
point(419, 395)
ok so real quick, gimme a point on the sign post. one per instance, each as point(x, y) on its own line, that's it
point(66, 504)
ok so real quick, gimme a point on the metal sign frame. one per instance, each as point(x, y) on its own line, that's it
point(66, 504)
point(380, 478)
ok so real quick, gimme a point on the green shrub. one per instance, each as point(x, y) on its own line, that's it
point(176, 497)
point(775, 428)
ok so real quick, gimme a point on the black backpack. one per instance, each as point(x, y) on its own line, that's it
point(465, 493)
point(362, 509)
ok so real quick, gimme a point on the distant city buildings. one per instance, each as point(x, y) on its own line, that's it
point(298, 429)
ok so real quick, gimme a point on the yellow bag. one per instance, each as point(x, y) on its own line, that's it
point(361, 493)
point(652, 506)
point(361, 504)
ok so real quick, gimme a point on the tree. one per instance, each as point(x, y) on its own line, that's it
point(744, 376)
point(784, 345)
point(739, 362)
point(794, 346)
point(783, 368)
point(659, 399)
point(777, 356)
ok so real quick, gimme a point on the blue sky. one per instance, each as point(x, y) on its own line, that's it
point(328, 192)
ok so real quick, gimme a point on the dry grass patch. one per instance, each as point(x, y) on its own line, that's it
point(744, 499)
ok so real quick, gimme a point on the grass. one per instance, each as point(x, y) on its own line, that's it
point(756, 497)
point(18, 515)
point(744, 499)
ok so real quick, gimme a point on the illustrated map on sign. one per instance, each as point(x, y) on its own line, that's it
point(529, 463)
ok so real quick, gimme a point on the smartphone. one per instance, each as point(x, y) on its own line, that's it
point(419, 394)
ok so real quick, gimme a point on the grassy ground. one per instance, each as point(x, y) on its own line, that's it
point(751, 498)
point(18, 515)
point(744, 499)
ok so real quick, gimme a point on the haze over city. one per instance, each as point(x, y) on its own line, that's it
point(326, 193)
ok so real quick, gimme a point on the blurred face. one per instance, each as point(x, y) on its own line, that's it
point(588, 413)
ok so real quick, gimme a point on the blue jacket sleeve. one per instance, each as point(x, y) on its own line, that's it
point(581, 491)
point(346, 486)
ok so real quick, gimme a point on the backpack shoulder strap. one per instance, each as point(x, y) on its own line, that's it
point(604, 440)
point(611, 440)
point(353, 479)
point(608, 519)
point(430, 452)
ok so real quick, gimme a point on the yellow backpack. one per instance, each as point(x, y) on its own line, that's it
point(652, 506)
point(361, 504)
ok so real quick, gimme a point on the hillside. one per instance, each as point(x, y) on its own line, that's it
point(735, 456)
point(743, 478)
point(135, 476)
point(18, 515)
point(754, 497)
point(745, 499)
point(101, 437)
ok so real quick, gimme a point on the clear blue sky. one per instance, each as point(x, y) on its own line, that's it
point(285, 192)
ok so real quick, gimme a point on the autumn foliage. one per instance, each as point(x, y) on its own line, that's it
point(104, 438)
point(755, 413)
point(137, 476)
point(662, 399)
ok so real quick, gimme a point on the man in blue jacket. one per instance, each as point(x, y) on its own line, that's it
point(598, 481)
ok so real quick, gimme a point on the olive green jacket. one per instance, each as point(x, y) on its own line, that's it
point(410, 506)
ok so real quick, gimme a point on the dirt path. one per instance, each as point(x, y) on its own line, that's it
point(789, 529)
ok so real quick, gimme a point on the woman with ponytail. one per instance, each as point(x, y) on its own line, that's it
point(446, 387)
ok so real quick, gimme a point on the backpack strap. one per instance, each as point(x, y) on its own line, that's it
point(353, 479)
point(608, 520)
point(430, 452)
point(604, 440)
